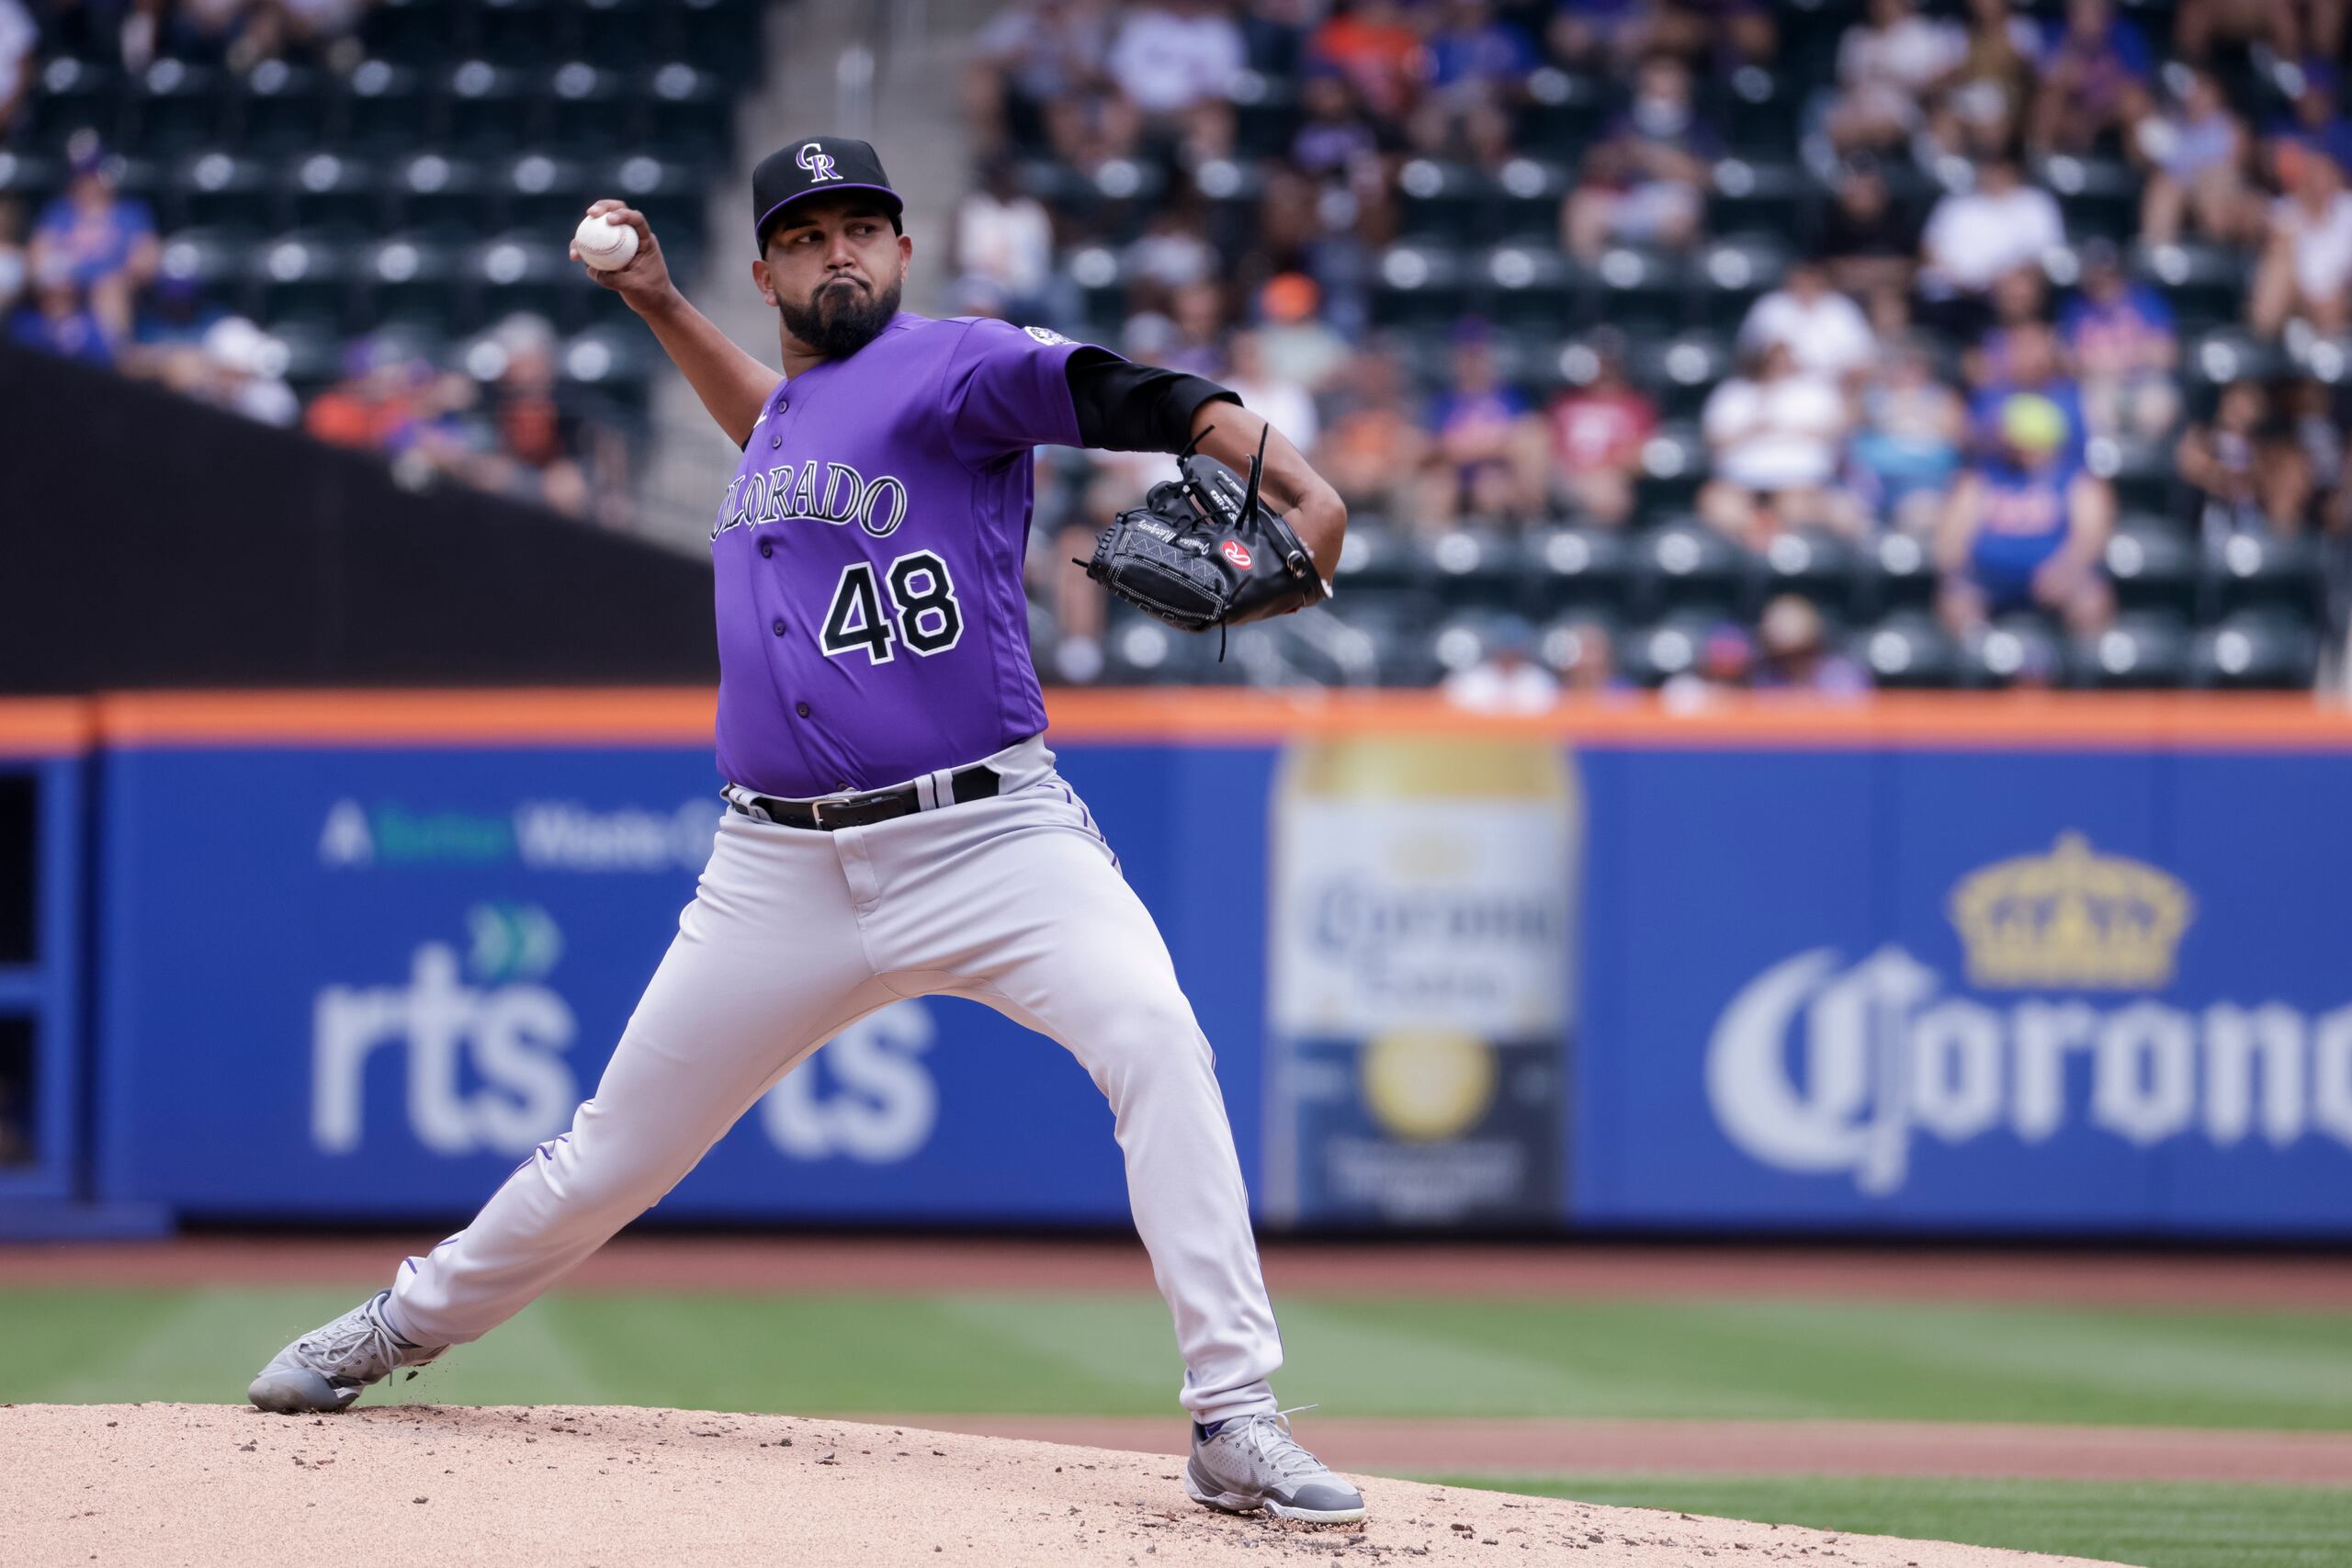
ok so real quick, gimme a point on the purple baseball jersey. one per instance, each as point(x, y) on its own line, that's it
point(872, 625)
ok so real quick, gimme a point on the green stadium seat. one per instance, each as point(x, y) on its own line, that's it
point(2143, 650)
point(1908, 650)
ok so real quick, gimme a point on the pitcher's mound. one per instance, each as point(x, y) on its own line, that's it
point(212, 1485)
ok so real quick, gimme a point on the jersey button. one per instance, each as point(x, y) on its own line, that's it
point(800, 709)
point(767, 548)
point(779, 626)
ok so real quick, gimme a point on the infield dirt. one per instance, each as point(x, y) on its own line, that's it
point(209, 1486)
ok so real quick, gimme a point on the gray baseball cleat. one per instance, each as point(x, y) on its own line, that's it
point(1252, 1463)
point(325, 1370)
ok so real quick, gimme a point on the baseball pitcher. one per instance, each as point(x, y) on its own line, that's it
point(895, 825)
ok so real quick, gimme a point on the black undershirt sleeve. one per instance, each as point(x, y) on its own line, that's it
point(1126, 407)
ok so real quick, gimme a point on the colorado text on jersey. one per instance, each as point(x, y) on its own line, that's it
point(815, 492)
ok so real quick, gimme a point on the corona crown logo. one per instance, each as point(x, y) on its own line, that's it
point(2071, 918)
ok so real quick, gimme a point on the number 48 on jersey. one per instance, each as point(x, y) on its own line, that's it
point(922, 614)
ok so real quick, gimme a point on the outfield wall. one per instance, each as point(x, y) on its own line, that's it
point(2015, 966)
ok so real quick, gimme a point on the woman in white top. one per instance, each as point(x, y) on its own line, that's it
point(1773, 435)
point(2307, 265)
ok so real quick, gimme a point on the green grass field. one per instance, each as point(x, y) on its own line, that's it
point(1110, 1354)
point(2171, 1526)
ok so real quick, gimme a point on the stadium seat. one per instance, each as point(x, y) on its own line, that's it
point(1573, 569)
point(2097, 195)
point(2229, 354)
point(75, 95)
point(1528, 193)
point(280, 108)
point(1418, 282)
point(2205, 284)
point(2022, 648)
point(410, 276)
point(2153, 564)
point(173, 107)
point(419, 32)
point(1563, 113)
point(685, 108)
point(301, 274)
point(29, 177)
point(1685, 565)
point(2251, 570)
point(216, 188)
point(1908, 649)
point(1734, 271)
point(1568, 639)
point(1673, 462)
point(521, 271)
point(1527, 285)
point(1374, 555)
point(1673, 646)
point(213, 259)
point(1468, 564)
point(438, 194)
point(1396, 622)
point(1758, 196)
point(1817, 567)
point(584, 108)
point(2254, 649)
point(2144, 649)
point(543, 195)
point(382, 108)
point(1442, 200)
point(1680, 371)
point(612, 34)
point(1639, 291)
point(480, 107)
point(329, 191)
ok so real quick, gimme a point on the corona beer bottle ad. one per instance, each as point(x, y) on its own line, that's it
point(1420, 987)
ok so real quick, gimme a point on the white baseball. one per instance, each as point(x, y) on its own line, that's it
point(605, 243)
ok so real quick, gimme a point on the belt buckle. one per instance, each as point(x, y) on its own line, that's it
point(816, 811)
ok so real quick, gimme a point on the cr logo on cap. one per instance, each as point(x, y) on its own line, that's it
point(817, 162)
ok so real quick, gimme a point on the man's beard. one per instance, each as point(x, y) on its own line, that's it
point(839, 328)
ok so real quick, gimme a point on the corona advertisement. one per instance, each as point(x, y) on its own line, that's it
point(1420, 982)
point(2084, 1003)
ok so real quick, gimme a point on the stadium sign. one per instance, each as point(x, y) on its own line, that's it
point(1821, 1067)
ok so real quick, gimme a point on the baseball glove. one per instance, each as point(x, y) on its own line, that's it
point(1203, 550)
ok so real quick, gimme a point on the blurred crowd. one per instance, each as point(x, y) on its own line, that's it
point(1920, 368)
point(86, 278)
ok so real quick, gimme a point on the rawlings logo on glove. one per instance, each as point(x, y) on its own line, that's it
point(1203, 552)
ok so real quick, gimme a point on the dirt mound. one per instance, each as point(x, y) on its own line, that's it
point(606, 1487)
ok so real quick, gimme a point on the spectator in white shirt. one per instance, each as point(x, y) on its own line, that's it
point(1005, 241)
point(19, 39)
point(1825, 330)
point(1975, 237)
point(1282, 403)
point(2307, 268)
point(1886, 70)
point(1505, 680)
point(1172, 56)
point(1774, 434)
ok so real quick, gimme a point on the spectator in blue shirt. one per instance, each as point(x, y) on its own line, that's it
point(58, 322)
point(2095, 70)
point(104, 241)
point(2121, 337)
point(2031, 365)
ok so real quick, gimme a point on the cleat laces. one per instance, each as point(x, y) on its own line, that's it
point(357, 1346)
point(1268, 1436)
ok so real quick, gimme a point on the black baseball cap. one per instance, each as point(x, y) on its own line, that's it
point(814, 166)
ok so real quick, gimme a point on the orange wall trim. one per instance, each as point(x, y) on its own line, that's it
point(45, 726)
point(682, 716)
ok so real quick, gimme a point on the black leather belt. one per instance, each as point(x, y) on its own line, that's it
point(978, 782)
